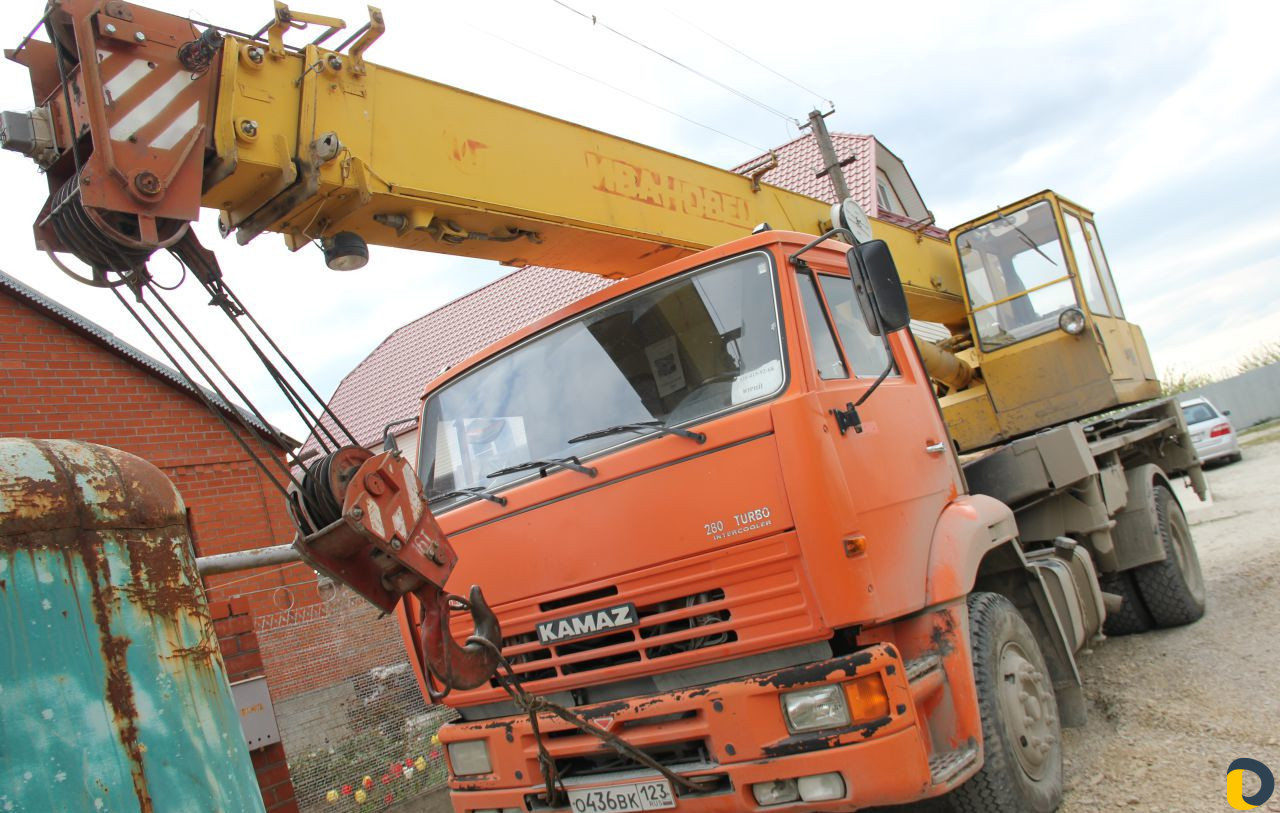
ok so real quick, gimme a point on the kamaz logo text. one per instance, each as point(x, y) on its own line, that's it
point(588, 623)
point(666, 191)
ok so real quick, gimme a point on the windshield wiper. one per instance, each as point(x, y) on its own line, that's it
point(476, 491)
point(544, 465)
point(640, 427)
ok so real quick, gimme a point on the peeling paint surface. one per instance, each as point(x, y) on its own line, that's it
point(115, 694)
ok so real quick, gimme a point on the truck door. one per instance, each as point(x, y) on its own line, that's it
point(900, 469)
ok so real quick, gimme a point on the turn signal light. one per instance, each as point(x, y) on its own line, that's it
point(868, 699)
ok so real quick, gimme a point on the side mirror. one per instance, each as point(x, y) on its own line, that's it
point(878, 287)
point(1226, 412)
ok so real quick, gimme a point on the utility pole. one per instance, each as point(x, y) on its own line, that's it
point(832, 164)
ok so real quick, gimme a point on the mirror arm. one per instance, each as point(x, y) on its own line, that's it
point(840, 232)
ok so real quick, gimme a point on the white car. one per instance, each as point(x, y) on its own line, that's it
point(1212, 434)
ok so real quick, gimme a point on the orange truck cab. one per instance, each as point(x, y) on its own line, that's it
point(689, 538)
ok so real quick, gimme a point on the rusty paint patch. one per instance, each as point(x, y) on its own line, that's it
point(943, 634)
point(64, 496)
point(115, 651)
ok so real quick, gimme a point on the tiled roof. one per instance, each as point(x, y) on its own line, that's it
point(100, 335)
point(799, 162)
point(388, 384)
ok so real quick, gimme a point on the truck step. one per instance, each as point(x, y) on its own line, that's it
point(947, 766)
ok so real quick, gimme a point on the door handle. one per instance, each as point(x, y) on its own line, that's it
point(936, 448)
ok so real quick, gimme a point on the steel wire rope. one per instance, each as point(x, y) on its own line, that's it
point(240, 417)
point(595, 21)
point(271, 430)
point(268, 588)
point(273, 570)
point(138, 281)
point(200, 393)
point(239, 305)
point(612, 87)
point(231, 306)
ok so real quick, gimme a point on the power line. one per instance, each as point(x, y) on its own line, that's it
point(750, 58)
point(595, 21)
point(614, 88)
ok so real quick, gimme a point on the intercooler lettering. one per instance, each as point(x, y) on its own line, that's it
point(588, 623)
point(745, 522)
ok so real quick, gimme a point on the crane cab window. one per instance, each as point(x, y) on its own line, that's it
point(1016, 275)
point(1091, 264)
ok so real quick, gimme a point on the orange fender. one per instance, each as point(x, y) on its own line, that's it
point(969, 528)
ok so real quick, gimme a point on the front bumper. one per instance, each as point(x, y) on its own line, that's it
point(739, 729)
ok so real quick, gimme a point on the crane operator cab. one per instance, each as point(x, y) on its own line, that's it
point(1046, 326)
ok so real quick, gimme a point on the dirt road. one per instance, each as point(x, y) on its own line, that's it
point(1170, 710)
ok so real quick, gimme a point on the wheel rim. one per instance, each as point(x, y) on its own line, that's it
point(1030, 714)
point(1185, 555)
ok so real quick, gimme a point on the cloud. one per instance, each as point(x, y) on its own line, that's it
point(1160, 116)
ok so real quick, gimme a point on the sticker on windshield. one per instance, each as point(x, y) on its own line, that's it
point(664, 361)
point(754, 383)
point(493, 443)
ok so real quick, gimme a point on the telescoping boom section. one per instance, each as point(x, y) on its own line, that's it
point(144, 117)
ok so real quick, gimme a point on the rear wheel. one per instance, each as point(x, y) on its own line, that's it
point(1172, 589)
point(1132, 617)
point(1022, 740)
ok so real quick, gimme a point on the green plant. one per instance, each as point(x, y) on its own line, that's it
point(1260, 356)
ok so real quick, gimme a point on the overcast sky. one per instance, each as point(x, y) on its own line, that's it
point(1163, 117)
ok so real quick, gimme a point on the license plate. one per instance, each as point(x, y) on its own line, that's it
point(655, 795)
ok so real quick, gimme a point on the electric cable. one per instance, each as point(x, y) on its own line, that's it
point(612, 87)
point(595, 21)
point(750, 58)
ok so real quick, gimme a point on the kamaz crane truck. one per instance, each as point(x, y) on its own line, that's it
point(741, 542)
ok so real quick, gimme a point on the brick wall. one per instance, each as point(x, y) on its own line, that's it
point(234, 625)
point(56, 382)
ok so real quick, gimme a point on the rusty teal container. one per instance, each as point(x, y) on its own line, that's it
point(113, 694)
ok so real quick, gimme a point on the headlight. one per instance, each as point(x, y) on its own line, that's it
point(1071, 321)
point(776, 792)
point(469, 758)
point(811, 709)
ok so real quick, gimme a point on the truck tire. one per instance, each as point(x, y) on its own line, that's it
point(1132, 617)
point(1022, 740)
point(1172, 589)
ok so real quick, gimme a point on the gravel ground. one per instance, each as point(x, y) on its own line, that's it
point(1169, 710)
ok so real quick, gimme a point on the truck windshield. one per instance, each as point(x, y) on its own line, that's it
point(1016, 275)
point(673, 353)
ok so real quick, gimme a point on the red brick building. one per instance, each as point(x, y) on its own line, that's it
point(62, 376)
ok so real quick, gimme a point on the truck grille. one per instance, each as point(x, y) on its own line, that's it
point(665, 628)
point(710, 608)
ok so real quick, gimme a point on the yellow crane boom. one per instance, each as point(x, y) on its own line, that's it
point(313, 142)
point(143, 118)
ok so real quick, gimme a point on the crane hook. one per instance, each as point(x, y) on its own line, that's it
point(454, 666)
